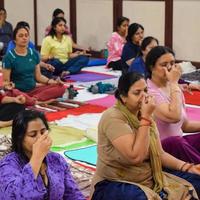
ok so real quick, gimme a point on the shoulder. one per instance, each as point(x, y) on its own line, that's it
point(9, 159)
point(112, 113)
point(8, 24)
point(67, 38)
point(48, 38)
point(9, 56)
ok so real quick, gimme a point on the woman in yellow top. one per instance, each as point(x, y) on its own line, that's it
point(130, 155)
point(57, 50)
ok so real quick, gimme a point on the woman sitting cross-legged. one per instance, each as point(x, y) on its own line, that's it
point(31, 171)
point(57, 50)
point(130, 155)
point(9, 107)
point(138, 64)
point(21, 70)
point(170, 113)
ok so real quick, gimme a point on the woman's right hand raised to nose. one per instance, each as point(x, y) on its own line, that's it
point(148, 106)
point(174, 74)
point(42, 146)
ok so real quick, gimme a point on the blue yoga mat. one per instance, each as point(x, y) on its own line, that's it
point(87, 155)
point(97, 62)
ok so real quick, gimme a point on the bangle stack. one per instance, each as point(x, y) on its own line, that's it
point(148, 122)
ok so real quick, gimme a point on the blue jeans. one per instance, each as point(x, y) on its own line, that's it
point(73, 65)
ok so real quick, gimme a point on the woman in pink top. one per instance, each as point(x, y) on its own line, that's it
point(116, 43)
point(170, 112)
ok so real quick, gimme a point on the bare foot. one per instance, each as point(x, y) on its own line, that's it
point(64, 73)
point(45, 102)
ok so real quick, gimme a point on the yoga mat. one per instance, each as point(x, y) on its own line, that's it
point(96, 62)
point(85, 142)
point(89, 76)
point(62, 135)
point(87, 155)
point(6, 131)
point(87, 108)
point(193, 113)
point(106, 101)
point(193, 98)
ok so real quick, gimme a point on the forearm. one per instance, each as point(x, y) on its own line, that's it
point(191, 127)
point(7, 99)
point(171, 162)
point(175, 105)
point(42, 79)
point(141, 145)
point(35, 163)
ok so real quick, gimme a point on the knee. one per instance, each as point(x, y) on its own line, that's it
point(84, 59)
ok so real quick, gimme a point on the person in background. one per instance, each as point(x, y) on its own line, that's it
point(130, 155)
point(6, 31)
point(138, 64)
point(134, 40)
point(60, 13)
point(170, 113)
point(57, 50)
point(31, 170)
point(21, 70)
point(46, 69)
point(9, 107)
point(115, 45)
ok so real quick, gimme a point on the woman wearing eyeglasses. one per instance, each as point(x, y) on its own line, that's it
point(170, 114)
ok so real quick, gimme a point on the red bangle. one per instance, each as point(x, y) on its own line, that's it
point(145, 119)
point(144, 125)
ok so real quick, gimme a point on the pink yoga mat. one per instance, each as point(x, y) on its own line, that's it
point(105, 101)
point(193, 113)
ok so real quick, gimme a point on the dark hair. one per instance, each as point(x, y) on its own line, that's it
point(56, 12)
point(145, 42)
point(3, 9)
point(23, 23)
point(132, 29)
point(120, 20)
point(17, 28)
point(19, 127)
point(125, 82)
point(154, 55)
point(54, 22)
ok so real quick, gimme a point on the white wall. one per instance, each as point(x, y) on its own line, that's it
point(94, 22)
point(186, 29)
point(150, 14)
point(20, 10)
point(45, 10)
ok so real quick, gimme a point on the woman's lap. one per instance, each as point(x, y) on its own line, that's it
point(111, 190)
point(192, 178)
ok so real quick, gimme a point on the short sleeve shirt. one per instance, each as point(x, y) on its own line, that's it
point(166, 129)
point(58, 49)
point(22, 68)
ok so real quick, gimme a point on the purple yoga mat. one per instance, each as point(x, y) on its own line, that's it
point(90, 76)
